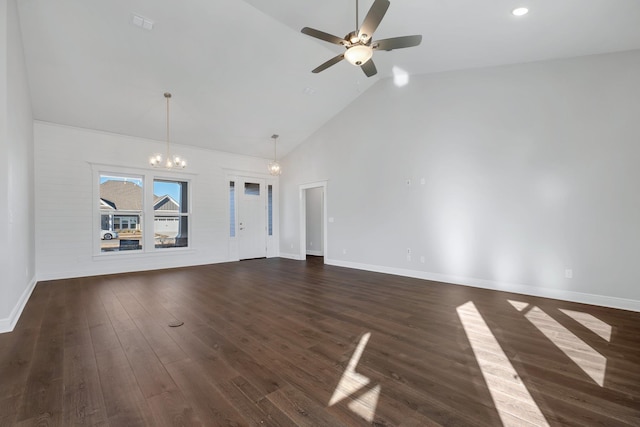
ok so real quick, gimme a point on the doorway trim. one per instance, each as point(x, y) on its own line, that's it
point(303, 218)
point(273, 241)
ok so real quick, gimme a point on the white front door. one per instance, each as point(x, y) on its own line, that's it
point(252, 224)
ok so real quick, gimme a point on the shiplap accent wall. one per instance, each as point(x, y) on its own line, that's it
point(66, 158)
point(501, 177)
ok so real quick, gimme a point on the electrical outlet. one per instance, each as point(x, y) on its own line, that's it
point(408, 251)
point(408, 258)
point(310, 243)
point(344, 251)
point(292, 246)
point(422, 259)
point(423, 181)
point(568, 273)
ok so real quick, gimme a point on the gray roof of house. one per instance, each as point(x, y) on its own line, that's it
point(127, 196)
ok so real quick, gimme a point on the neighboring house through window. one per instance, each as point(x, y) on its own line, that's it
point(122, 213)
point(171, 214)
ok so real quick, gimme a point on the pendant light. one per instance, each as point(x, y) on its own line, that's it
point(274, 167)
point(170, 161)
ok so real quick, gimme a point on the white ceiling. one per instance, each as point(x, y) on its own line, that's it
point(240, 71)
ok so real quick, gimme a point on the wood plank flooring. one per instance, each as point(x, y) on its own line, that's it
point(280, 342)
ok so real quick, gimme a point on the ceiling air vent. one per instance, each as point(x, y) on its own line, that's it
point(142, 22)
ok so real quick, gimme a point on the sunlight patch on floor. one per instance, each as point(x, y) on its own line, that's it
point(351, 383)
point(365, 404)
point(518, 305)
point(589, 360)
point(595, 325)
point(510, 396)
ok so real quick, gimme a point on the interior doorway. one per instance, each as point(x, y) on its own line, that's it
point(313, 219)
point(314, 226)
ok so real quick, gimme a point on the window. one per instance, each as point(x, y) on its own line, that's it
point(136, 216)
point(170, 213)
point(232, 209)
point(251, 189)
point(121, 222)
point(270, 209)
point(121, 209)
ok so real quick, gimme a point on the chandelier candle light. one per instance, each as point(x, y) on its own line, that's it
point(171, 161)
point(274, 167)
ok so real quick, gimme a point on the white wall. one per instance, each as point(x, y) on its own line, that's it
point(17, 252)
point(66, 159)
point(314, 235)
point(500, 178)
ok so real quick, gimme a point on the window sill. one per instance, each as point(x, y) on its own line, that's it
point(139, 253)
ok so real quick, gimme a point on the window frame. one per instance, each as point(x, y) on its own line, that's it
point(269, 210)
point(185, 214)
point(231, 206)
point(126, 213)
point(147, 216)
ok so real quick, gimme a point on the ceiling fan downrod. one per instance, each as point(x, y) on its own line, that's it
point(357, 20)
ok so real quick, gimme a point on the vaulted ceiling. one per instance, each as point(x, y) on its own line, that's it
point(240, 71)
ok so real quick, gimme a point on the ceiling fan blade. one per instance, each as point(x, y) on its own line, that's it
point(397, 42)
point(369, 68)
point(329, 63)
point(323, 36)
point(372, 20)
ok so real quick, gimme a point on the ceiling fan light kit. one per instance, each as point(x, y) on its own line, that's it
point(358, 54)
point(359, 43)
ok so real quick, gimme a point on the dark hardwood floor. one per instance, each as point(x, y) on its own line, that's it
point(281, 342)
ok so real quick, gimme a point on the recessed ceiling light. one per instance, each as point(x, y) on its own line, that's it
point(519, 11)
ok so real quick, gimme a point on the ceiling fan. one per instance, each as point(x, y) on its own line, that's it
point(359, 43)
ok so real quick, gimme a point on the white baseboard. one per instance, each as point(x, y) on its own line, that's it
point(7, 324)
point(315, 253)
point(560, 294)
point(290, 256)
point(130, 268)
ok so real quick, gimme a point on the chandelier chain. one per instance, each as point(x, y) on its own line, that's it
point(275, 145)
point(169, 161)
point(167, 95)
point(274, 166)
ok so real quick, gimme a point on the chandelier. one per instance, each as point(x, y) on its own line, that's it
point(274, 167)
point(170, 161)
